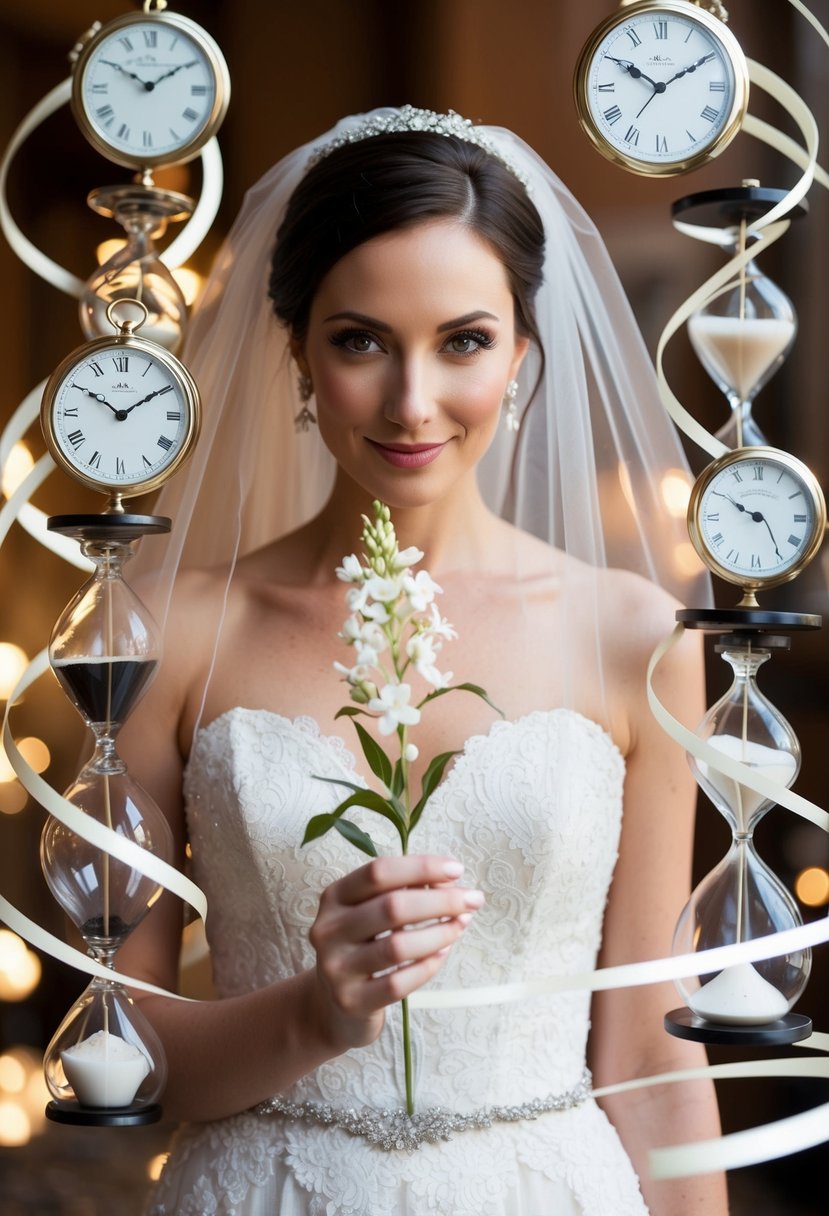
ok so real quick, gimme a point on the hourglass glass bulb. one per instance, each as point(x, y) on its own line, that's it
point(741, 337)
point(105, 646)
point(104, 897)
point(745, 726)
point(105, 1055)
point(136, 271)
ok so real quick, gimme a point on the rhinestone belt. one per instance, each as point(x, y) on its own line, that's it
point(395, 1129)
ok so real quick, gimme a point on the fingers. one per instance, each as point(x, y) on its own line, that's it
point(404, 907)
point(389, 873)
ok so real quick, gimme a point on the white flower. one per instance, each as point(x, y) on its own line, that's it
point(350, 571)
point(421, 589)
point(439, 627)
point(410, 752)
point(356, 598)
point(384, 590)
point(376, 612)
point(393, 704)
point(354, 675)
point(422, 650)
point(407, 557)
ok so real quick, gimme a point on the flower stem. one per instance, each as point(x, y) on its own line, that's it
point(407, 1036)
point(407, 1057)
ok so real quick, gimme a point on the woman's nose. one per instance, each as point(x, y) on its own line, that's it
point(410, 397)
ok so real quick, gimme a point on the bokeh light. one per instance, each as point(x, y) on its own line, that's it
point(20, 968)
point(812, 886)
point(13, 662)
point(19, 464)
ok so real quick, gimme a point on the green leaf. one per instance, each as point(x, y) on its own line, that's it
point(318, 826)
point(474, 688)
point(397, 780)
point(351, 711)
point(378, 761)
point(431, 780)
point(393, 810)
point(356, 836)
point(350, 785)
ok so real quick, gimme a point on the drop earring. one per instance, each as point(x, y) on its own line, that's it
point(511, 420)
point(306, 417)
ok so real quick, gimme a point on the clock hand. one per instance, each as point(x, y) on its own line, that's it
point(172, 72)
point(149, 397)
point(635, 72)
point(761, 519)
point(691, 68)
point(119, 414)
point(757, 516)
point(147, 84)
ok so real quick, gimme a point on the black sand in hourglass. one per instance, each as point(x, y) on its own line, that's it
point(105, 690)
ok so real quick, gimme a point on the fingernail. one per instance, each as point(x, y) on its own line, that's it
point(452, 869)
point(465, 918)
point(474, 899)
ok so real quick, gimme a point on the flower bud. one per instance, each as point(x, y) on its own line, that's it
point(410, 752)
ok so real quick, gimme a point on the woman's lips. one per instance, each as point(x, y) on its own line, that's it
point(408, 455)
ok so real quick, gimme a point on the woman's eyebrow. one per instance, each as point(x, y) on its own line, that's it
point(361, 319)
point(467, 319)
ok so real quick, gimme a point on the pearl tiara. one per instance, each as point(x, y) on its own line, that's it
point(410, 118)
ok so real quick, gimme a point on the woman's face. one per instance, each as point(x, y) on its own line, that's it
point(411, 342)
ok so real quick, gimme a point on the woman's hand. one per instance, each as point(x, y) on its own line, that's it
point(380, 933)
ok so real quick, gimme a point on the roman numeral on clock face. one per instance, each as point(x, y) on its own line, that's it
point(613, 114)
point(164, 442)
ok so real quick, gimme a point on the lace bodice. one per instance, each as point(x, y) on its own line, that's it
point(533, 810)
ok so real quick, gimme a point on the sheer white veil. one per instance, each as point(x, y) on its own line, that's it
point(587, 471)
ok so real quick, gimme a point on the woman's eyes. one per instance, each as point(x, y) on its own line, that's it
point(356, 340)
point(465, 343)
point(469, 342)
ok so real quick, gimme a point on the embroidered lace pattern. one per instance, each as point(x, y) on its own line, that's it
point(533, 810)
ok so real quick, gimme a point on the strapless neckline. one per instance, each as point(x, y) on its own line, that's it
point(335, 746)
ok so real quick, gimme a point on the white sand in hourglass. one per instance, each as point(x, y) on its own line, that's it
point(739, 996)
point(769, 762)
point(104, 1070)
point(739, 351)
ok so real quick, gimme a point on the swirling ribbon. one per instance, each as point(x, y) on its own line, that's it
point(727, 1152)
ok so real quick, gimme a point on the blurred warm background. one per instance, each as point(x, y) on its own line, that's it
point(295, 69)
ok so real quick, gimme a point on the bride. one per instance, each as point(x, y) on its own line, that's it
point(450, 339)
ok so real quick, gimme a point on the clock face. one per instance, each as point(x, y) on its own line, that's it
point(757, 517)
point(119, 417)
point(661, 88)
point(150, 90)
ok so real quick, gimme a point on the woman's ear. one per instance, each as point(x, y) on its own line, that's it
point(522, 345)
point(298, 356)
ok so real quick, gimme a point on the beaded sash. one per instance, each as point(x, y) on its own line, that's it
point(395, 1129)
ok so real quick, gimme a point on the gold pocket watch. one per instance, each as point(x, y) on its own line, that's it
point(149, 88)
point(661, 87)
point(120, 414)
point(756, 517)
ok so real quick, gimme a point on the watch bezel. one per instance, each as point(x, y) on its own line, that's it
point(747, 456)
point(193, 146)
point(189, 393)
point(739, 106)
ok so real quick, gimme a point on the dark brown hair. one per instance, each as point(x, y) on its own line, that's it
point(394, 181)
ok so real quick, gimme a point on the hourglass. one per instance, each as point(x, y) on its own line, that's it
point(741, 899)
point(135, 271)
point(105, 1064)
point(742, 335)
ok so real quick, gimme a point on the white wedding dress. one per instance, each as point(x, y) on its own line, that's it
point(533, 810)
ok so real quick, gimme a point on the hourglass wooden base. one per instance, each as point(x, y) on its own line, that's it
point(728, 206)
point(119, 526)
point(685, 1024)
point(88, 1116)
point(748, 620)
